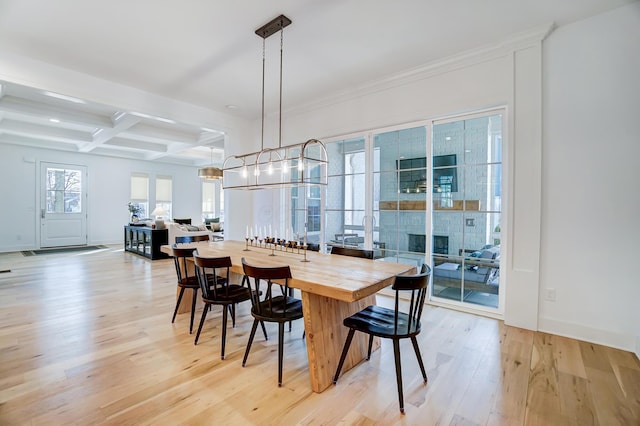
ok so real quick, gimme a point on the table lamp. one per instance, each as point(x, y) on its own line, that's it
point(159, 213)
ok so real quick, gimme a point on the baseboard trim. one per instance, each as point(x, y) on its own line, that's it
point(612, 339)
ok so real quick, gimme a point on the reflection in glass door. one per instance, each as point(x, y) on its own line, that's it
point(376, 195)
point(467, 181)
point(345, 204)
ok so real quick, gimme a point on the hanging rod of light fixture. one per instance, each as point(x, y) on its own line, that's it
point(296, 165)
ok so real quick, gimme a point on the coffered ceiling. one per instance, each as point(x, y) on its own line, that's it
point(45, 119)
point(205, 53)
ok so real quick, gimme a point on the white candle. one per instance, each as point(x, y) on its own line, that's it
point(287, 235)
point(251, 233)
point(247, 233)
point(270, 232)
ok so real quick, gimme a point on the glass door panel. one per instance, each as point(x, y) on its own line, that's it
point(467, 179)
point(400, 194)
point(345, 207)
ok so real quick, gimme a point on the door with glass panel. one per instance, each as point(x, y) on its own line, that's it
point(466, 227)
point(63, 217)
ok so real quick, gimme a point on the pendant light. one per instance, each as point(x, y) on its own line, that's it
point(210, 172)
point(302, 164)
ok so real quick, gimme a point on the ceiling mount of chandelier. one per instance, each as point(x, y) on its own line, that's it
point(302, 164)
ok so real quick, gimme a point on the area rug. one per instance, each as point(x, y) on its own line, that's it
point(61, 250)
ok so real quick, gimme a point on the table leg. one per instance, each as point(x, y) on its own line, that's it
point(325, 335)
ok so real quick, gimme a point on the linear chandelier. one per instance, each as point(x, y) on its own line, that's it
point(302, 164)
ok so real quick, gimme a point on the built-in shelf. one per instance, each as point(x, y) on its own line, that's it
point(421, 205)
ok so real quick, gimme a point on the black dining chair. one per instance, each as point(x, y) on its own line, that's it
point(271, 308)
point(392, 323)
point(352, 251)
point(212, 274)
point(186, 280)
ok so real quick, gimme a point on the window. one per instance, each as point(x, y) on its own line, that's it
point(140, 194)
point(212, 200)
point(208, 200)
point(163, 194)
point(64, 191)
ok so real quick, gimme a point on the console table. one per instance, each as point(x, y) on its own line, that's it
point(146, 241)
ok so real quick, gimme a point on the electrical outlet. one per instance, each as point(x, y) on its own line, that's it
point(550, 295)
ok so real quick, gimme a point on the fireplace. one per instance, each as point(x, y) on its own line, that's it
point(417, 243)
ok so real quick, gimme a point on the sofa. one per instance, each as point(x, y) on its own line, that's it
point(481, 269)
point(179, 229)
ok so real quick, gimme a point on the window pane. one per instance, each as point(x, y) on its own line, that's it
point(72, 202)
point(64, 189)
point(208, 194)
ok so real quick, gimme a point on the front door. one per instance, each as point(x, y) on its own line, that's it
point(63, 217)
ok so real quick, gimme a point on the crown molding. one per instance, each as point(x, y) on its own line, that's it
point(468, 58)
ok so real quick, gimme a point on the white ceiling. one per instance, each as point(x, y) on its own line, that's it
point(205, 52)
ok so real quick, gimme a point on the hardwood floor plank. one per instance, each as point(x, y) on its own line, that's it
point(88, 339)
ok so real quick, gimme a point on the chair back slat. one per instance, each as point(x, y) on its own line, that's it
point(180, 256)
point(351, 251)
point(417, 285)
point(212, 283)
point(268, 274)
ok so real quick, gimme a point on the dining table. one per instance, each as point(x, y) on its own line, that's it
point(332, 287)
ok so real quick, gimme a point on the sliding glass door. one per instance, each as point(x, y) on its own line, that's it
point(428, 193)
point(346, 196)
point(467, 182)
point(376, 197)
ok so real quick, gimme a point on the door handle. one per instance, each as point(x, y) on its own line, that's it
point(42, 213)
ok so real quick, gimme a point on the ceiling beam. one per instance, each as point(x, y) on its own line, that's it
point(42, 132)
point(121, 122)
point(26, 108)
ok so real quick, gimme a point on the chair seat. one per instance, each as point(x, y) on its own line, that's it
point(192, 282)
point(275, 311)
point(232, 294)
point(189, 282)
point(380, 322)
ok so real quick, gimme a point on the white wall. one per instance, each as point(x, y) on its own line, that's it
point(591, 159)
point(108, 193)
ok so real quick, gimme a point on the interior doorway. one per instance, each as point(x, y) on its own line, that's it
point(63, 207)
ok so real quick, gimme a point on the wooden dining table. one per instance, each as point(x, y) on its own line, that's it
point(332, 288)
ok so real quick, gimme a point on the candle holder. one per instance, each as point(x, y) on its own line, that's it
point(304, 249)
point(277, 245)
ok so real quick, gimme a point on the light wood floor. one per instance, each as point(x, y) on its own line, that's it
point(88, 339)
